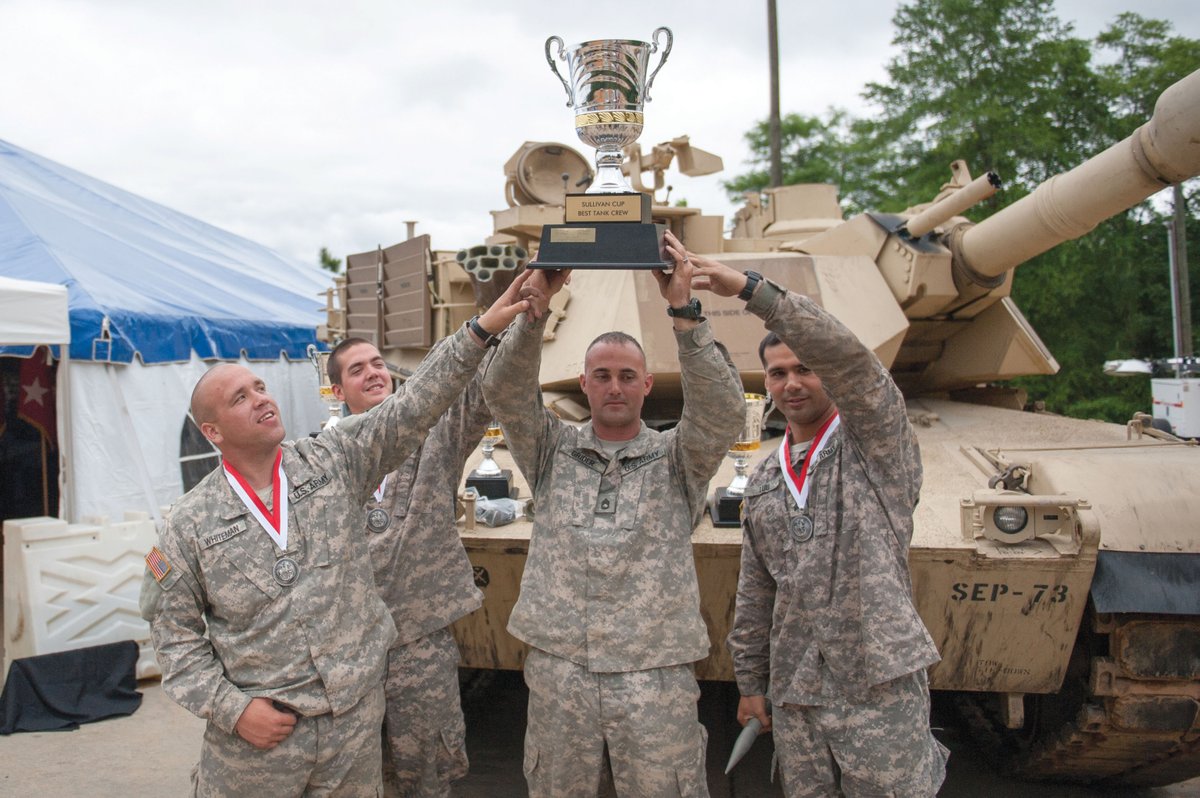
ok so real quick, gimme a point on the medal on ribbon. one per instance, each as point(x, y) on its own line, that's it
point(801, 526)
point(273, 520)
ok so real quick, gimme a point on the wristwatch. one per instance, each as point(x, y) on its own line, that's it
point(689, 311)
point(485, 336)
point(753, 278)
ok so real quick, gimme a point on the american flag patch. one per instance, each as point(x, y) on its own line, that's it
point(157, 563)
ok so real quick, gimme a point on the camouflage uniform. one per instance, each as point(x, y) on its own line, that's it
point(609, 599)
point(318, 646)
point(826, 625)
point(427, 582)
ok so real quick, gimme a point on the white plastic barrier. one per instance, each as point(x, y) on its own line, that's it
point(69, 586)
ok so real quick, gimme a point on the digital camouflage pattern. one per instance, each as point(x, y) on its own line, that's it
point(821, 622)
point(420, 565)
point(329, 755)
point(425, 742)
point(879, 740)
point(647, 718)
point(427, 582)
point(319, 645)
point(610, 581)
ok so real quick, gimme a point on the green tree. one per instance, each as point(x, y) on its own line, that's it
point(329, 262)
point(815, 150)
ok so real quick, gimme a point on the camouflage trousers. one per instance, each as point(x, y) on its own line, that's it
point(646, 718)
point(877, 744)
point(326, 755)
point(424, 736)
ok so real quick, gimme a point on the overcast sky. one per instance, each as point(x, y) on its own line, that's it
point(304, 124)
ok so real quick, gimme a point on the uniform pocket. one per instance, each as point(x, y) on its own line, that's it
point(452, 758)
point(239, 588)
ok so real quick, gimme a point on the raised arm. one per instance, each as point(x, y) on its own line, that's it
point(872, 408)
point(378, 441)
point(510, 384)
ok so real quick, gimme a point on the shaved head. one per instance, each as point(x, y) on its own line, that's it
point(203, 404)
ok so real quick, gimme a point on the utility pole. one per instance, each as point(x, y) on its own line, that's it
point(1181, 302)
point(773, 124)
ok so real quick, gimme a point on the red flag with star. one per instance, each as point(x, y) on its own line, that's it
point(36, 402)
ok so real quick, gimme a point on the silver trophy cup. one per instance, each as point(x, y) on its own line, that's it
point(608, 88)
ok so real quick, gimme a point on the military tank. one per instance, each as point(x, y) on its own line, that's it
point(1055, 561)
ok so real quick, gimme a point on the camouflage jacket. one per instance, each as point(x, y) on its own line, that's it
point(610, 582)
point(421, 568)
point(321, 643)
point(834, 613)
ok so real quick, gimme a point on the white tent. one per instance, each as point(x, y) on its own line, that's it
point(33, 313)
point(155, 297)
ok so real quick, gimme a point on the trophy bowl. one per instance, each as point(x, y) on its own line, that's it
point(608, 87)
point(747, 441)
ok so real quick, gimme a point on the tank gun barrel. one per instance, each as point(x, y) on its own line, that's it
point(976, 191)
point(1163, 151)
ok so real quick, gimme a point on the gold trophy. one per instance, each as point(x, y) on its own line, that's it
point(489, 479)
point(319, 361)
point(727, 505)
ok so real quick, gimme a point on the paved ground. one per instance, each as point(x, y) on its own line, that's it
point(151, 754)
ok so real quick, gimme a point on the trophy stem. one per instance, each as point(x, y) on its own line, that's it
point(609, 177)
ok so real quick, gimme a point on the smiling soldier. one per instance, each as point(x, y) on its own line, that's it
point(824, 620)
point(260, 594)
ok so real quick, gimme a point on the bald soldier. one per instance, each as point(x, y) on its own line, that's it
point(423, 575)
point(260, 593)
point(609, 600)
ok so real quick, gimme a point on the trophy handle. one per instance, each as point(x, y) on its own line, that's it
point(554, 68)
point(666, 52)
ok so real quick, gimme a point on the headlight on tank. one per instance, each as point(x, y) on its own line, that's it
point(1010, 516)
point(1010, 519)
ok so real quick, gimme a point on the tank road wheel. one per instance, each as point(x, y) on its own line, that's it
point(1129, 710)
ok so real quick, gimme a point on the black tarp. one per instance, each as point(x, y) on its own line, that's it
point(57, 692)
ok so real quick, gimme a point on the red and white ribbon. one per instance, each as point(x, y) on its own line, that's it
point(378, 494)
point(275, 519)
point(798, 483)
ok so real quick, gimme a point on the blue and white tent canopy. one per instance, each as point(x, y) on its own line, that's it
point(167, 284)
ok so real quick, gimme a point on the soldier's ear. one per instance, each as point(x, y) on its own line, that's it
point(211, 432)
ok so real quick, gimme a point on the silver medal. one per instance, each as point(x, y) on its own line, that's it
point(378, 520)
point(802, 528)
point(285, 571)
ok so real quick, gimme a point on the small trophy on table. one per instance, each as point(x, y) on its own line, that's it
point(727, 506)
point(489, 479)
point(319, 361)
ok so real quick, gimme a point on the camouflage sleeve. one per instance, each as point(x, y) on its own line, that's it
point(192, 675)
point(377, 442)
point(714, 409)
point(512, 392)
point(749, 640)
point(460, 429)
point(872, 408)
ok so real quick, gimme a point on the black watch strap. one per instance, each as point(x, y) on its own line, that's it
point(689, 311)
point(485, 336)
point(753, 278)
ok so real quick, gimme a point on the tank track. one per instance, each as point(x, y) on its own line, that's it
point(1139, 721)
point(1128, 712)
